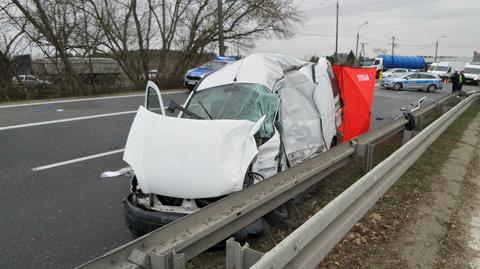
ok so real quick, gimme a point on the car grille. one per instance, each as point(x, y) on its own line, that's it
point(193, 78)
point(172, 201)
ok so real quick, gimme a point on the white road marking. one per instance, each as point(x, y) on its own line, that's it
point(66, 120)
point(77, 160)
point(88, 99)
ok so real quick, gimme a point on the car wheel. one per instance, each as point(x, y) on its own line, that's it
point(284, 216)
point(431, 88)
point(397, 86)
point(190, 87)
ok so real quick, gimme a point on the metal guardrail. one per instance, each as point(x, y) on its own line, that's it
point(311, 242)
point(172, 245)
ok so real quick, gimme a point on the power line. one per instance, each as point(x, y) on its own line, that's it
point(316, 9)
point(322, 35)
point(345, 23)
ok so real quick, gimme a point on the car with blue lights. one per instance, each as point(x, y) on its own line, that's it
point(417, 81)
point(193, 76)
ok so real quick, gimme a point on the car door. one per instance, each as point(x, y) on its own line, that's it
point(153, 98)
point(411, 81)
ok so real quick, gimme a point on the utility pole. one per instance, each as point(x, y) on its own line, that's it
point(436, 48)
point(221, 47)
point(358, 37)
point(336, 37)
point(362, 50)
point(393, 44)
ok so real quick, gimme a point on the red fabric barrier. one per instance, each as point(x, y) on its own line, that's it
point(356, 86)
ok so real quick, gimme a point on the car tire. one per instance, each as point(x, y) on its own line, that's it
point(431, 88)
point(190, 87)
point(284, 216)
point(140, 221)
point(397, 86)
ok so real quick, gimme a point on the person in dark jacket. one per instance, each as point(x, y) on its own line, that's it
point(455, 78)
point(461, 80)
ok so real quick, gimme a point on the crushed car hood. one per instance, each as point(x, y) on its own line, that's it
point(188, 158)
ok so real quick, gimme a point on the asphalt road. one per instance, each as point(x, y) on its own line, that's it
point(63, 216)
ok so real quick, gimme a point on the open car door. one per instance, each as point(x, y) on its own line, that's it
point(153, 99)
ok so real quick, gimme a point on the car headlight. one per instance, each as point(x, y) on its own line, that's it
point(475, 78)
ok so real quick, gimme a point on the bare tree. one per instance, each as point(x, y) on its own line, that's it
point(50, 24)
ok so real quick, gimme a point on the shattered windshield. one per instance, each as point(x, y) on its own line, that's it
point(238, 101)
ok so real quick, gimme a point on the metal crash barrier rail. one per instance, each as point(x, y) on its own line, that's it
point(172, 245)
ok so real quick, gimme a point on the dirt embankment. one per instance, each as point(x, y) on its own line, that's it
point(426, 219)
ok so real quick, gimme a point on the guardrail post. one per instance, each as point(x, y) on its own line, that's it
point(239, 257)
point(445, 109)
point(366, 152)
point(368, 159)
point(407, 135)
point(169, 260)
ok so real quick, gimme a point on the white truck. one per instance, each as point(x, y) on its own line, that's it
point(445, 69)
point(472, 73)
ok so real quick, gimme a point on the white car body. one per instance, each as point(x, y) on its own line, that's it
point(395, 72)
point(472, 73)
point(206, 158)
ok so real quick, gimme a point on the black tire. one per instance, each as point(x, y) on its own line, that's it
point(397, 86)
point(141, 221)
point(431, 88)
point(190, 87)
point(284, 216)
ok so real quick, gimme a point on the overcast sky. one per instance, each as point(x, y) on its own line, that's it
point(417, 24)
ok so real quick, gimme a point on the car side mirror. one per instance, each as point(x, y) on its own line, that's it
point(407, 78)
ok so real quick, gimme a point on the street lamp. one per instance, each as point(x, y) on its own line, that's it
point(358, 37)
point(436, 48)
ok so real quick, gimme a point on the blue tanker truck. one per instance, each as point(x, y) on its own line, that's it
point(384, 62)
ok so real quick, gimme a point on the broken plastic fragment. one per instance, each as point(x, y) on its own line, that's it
point(126, 171)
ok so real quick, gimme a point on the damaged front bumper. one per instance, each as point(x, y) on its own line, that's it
point(141, 220)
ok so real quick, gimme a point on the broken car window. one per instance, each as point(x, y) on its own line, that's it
point(238, 101)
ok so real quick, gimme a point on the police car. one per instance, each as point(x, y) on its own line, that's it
point(194, 75)
point(418, 81)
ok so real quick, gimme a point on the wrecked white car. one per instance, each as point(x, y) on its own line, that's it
point(242, 124)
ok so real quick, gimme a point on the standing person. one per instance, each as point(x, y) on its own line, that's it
point(455, 79)
point(461, 80)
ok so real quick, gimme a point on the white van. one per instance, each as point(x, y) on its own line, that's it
point(242, 124)
point(445, 69)
point(472, 73)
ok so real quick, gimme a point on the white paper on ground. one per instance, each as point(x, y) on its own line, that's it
point(189, 158)
point(120, 172)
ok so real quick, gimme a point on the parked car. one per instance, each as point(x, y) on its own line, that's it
point(419, 81)
point(30, 81)
point(395, 72)
point(193, 76)
point(242, 124)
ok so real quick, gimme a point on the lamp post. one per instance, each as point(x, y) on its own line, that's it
point(436, 48)
point(358, 37)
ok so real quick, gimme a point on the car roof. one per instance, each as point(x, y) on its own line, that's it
point(268, 69)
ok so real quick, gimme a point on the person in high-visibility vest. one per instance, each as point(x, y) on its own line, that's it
point(461, 80)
